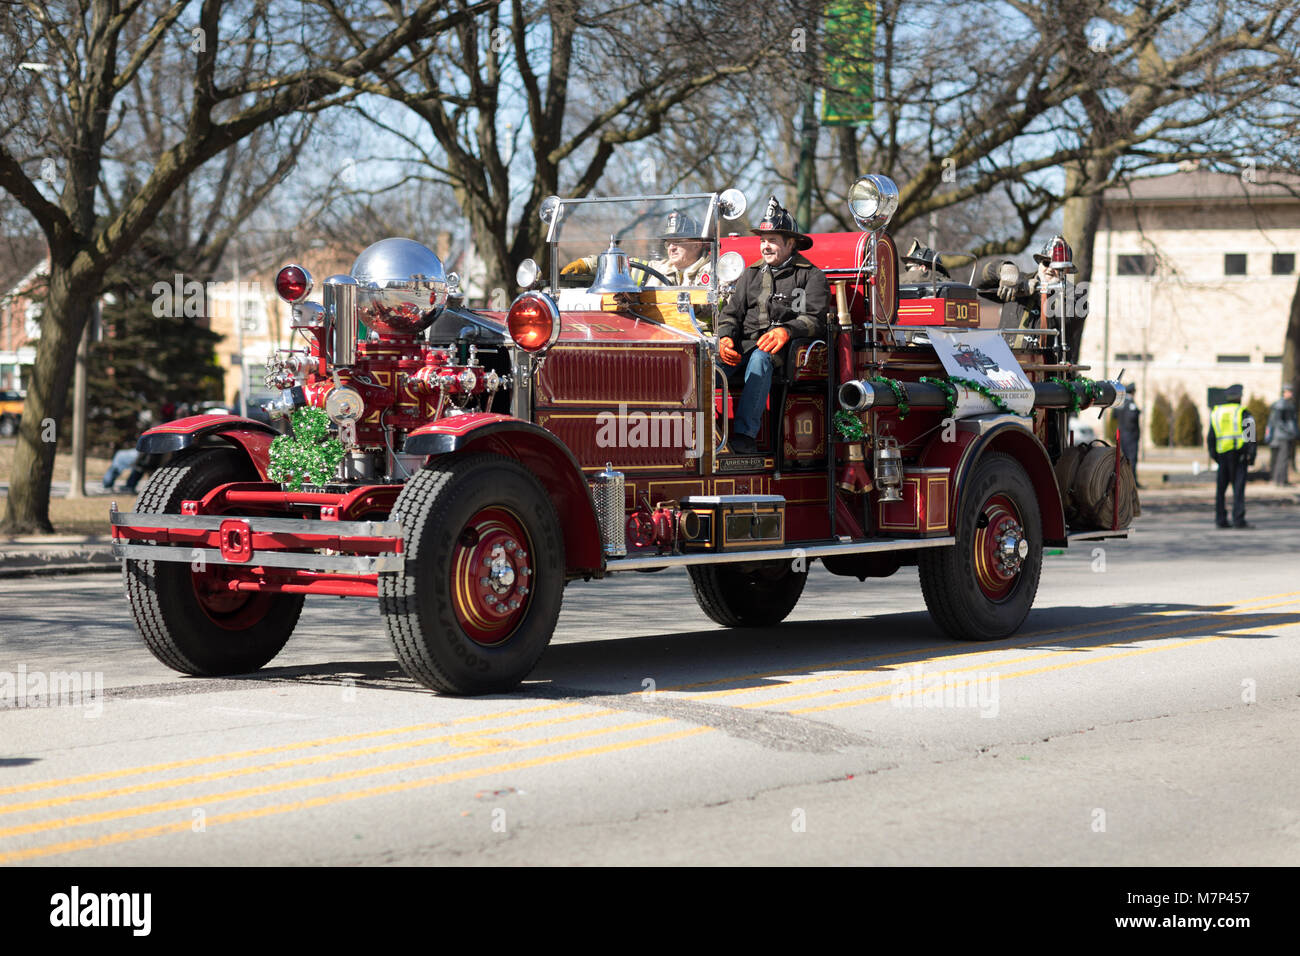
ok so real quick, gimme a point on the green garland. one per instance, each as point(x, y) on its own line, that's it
point(850, 427)
point(900, 393)
point(1089, 388)
point(949, 389)
point(309, 454)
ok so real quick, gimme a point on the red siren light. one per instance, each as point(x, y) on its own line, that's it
point(534, 322)
point(1062, 257)
point(293, 284)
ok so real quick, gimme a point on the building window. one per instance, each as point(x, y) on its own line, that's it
point(1129, 265)
point(1133, 357)
point(1283, 263)
point(1234, 263)
point(1272, 360)
point(1224, 359)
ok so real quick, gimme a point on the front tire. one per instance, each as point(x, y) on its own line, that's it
point(188, 619)
point(479, 595)
point(747, 596)
point(982, 588)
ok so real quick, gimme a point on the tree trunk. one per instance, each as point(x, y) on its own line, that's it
point(1082, 215)
point(1291, 347)
point(67, 309)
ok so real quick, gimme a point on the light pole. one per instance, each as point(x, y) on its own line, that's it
point(239, 333)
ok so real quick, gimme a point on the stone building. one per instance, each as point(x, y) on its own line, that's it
point(1193, 277)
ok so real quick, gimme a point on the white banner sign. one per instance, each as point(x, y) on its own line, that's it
point(982, 356)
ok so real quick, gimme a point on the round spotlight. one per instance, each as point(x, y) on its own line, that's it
point(730, 266)
point(732, 204)
point(547, 210)
point(873, 201)
point(527, 273)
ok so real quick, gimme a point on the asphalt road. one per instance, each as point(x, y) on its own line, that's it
point(1146, 714)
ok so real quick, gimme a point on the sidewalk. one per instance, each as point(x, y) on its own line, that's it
point(23, 555)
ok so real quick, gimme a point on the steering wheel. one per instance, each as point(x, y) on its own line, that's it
point(650, 272)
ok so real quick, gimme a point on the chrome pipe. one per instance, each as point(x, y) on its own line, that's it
point(340, 300)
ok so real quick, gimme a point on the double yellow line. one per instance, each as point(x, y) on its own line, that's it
point(486, 741)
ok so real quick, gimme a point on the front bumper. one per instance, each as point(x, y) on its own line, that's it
point(298, 544)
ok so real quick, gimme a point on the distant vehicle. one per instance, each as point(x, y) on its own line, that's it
point(213, 408)
point(11, 411)
point(1083, 431)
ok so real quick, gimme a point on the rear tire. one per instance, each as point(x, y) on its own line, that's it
point(982, 588)
point(747, 596)
point(187, 619)
point(479, 595)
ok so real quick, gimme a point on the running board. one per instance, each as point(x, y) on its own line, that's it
point(1096, 535)
point(812, 549)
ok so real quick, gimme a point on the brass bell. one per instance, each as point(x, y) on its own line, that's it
point(612, 272)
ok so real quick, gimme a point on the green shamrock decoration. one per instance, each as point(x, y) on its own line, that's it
point(308, 454)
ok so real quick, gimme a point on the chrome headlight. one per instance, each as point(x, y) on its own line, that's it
point(873, 201)
point(730, 266)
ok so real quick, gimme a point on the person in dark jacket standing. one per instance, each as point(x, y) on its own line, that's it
point(1231, 443)
point(1127, 418)
point(783, 297)
point(1282, 433)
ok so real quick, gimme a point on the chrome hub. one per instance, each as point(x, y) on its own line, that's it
point(1012, 548)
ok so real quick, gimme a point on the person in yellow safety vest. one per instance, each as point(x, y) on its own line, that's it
point(1231, 443)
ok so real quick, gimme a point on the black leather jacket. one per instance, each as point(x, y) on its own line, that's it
point(749, 314)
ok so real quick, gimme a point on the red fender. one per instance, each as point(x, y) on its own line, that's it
point(970, 444)
point(252, 437)
point(541, 453)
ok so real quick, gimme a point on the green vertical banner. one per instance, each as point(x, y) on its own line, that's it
point(849, 41)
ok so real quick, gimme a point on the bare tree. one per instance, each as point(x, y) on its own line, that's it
point(1001, 97)
point(534, 98)
point(62, 113)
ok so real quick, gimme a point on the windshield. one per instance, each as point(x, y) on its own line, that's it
point(675, 236)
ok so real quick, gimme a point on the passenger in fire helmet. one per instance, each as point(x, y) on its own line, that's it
point(1020, 292)
point(780, 297)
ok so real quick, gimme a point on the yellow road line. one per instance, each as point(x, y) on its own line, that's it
point(199, 761)
point(109, 839)
point(982, 649)
point(278, 748)
point(1061, 666)
point(112, 838)
point(297, 784)
point(1023, 640)
point(482, 741)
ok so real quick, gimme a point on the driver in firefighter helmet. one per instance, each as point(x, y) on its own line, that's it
point(686, 255)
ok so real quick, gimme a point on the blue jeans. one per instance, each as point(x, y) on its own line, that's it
point(124, 460)
point(757, 381)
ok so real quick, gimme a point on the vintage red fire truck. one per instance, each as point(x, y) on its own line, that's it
point(469, 464)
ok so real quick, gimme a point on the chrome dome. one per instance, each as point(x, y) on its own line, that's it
point(401, 286)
